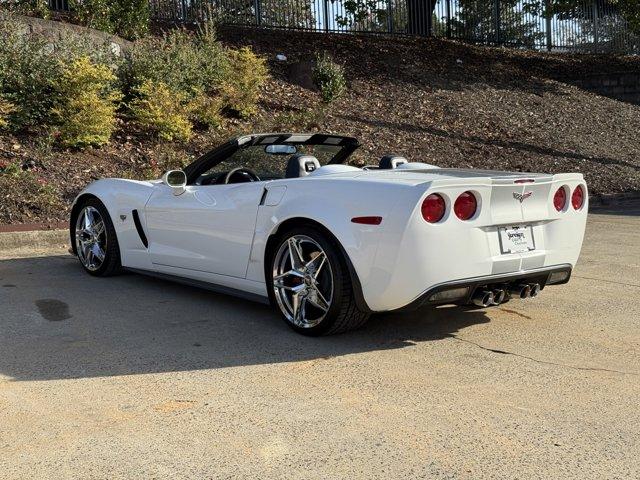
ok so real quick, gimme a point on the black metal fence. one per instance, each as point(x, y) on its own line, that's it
point(583, 25)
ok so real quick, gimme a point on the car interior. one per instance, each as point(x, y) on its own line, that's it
point(295, 161)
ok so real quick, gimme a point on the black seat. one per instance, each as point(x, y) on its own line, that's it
point(391, 161)
point(301, 165)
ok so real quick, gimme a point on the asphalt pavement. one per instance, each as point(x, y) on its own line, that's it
point(133, 377)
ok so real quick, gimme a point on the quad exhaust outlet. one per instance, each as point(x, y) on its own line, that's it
point(486, 297)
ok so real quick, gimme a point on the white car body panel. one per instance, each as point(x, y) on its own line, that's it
point(218, 233)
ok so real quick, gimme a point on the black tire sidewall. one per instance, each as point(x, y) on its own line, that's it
point(111, 263)
point(338, 269)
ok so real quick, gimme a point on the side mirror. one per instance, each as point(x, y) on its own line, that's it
point(177, 180)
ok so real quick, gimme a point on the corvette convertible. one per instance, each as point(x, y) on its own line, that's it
point(288, 219)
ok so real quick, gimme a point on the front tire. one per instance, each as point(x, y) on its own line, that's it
point(310, 284)
point(95, 240)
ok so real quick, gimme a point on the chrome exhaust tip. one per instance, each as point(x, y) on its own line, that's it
point(483, 298)
point(499, 296)
point(535, 290)
point(522, 291)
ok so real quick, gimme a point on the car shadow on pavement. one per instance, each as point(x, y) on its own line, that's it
point(58, 322)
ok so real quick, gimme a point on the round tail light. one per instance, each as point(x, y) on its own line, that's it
point(433, 208)
point(560, 199)
point(577, 199)
point(465, 206)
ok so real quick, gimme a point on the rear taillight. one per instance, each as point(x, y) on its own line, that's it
point(433, 208)
point(560, 199)
point(577, 199)
point(465, 206)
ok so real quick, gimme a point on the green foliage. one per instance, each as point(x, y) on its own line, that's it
point(126, 18)
point(206, 110)
point(6, 108)
point(27, 73)
point(186, 63)
point(33, 8)
point(329, 78)
point(247, 74)
point(162, 111)
point(88, 103)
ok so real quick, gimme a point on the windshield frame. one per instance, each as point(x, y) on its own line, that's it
point(212, 158)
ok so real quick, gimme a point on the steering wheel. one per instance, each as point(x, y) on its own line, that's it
point(252, 175)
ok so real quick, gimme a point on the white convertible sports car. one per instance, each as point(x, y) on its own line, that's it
point(281, 218)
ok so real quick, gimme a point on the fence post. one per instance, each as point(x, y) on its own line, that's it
point(547, 13)
point(390, 16)
point(326, 15)
point(257, 10)
point(448, 18)
point(596, 34)
point(497, 20)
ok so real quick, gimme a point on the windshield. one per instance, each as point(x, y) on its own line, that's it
point(269, 166)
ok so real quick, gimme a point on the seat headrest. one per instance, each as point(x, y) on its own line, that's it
point(391, 161)
point(301, 165)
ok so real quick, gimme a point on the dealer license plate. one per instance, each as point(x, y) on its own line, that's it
point(516, 239)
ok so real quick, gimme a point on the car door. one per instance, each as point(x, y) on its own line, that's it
point(208, 228)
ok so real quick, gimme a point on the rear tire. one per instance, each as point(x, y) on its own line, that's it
point(309, 282)
point(95, 240)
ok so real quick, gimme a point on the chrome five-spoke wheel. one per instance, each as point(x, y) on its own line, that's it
point(302, 281)
point(91, 238)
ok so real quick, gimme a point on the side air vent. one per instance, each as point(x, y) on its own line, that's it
point(136, 221)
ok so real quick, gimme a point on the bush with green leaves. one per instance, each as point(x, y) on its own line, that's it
point(89, 99)
point(126, 18)
point(6, 108)
point(247, 73)
point(33, 8)
point(329, 78)
point(161, 111)
point(28, 70)
point(206, 77)
point(31, 69)
point(185, 62)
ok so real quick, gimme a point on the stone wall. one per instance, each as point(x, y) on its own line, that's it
point(55, 31)
point(621, 86)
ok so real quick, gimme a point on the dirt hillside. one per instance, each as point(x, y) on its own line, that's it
point(434, 101)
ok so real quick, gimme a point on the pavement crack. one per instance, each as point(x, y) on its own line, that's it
point(537, 360)
point(607, 281)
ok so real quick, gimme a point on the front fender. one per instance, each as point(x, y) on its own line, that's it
point(120, 197)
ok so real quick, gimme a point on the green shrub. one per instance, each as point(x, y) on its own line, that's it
point(329, 78)
point(247, 73)
point(31, 69)
point(206, 110)
point(28, 71)
point(162, 111)
point(186, 63)
point(126, 18)
point(88, 103)
point(32, 8)
point(6, 108)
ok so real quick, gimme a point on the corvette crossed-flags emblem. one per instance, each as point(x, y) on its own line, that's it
point(521, 197)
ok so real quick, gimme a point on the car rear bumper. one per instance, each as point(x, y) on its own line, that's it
point(555, 275)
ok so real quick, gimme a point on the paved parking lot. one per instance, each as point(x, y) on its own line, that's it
point(132, 377)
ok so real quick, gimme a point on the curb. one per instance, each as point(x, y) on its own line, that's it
point(34, 239)
point(613, 199)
